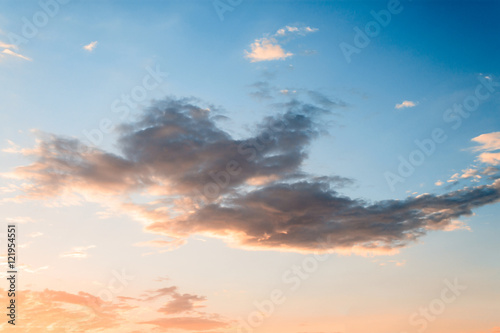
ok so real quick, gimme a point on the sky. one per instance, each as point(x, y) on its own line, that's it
point(251, 166)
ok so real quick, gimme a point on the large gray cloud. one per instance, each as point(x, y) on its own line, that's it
point(251, 190)
point(309, 216)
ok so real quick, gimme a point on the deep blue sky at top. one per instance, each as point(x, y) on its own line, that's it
point(432, 53)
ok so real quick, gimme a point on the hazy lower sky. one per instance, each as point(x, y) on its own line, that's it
point(251, 166)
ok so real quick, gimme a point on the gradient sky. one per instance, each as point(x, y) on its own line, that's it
point(115, 117)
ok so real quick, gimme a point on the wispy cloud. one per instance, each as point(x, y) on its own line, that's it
point(163, 245)
point(406, 104)
point(31, 270)
point(14, 54)
point(90, 46)
point(7, 46)
point(20, 219)
point(270, 47)
point(291, 30)
point(8, 50)
point(78, 252)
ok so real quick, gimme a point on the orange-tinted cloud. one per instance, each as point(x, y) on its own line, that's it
point(59, 311)
point(489, 146)
point(64, 312)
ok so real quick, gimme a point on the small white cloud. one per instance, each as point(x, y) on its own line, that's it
point(406, 104)
point(469, 173)
point(266, 49)
point(91, 46)
point(281, 32)
point(438, 183)
point(270, 46)
point(288, 30)
point(309, 29)
point(489, 146)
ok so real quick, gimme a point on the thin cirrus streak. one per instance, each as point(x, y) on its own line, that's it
point(177, 147)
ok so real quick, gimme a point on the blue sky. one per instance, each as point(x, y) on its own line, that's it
point(84, 220)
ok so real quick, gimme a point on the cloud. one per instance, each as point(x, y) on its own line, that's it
point(406, 104)
point(163, 244)
point(270, 48)
point(20, 219)
point(309, 216)
point(457, 225)
point(286, 91)
point(489, 146)
point(438, 183)
point(14, 54)
point(181, 311)
point(470, 173)
point(61, 311)
point(159, 243)
point(290, 30)
point(392, 262)
point(250, 191)
point(262, 90)
point(181, 303)
point(8, 46)
point(7, 49)
point(29, 269)
point(266, 49)
point(489, 171)
point(91, 46)
point(78, 252)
